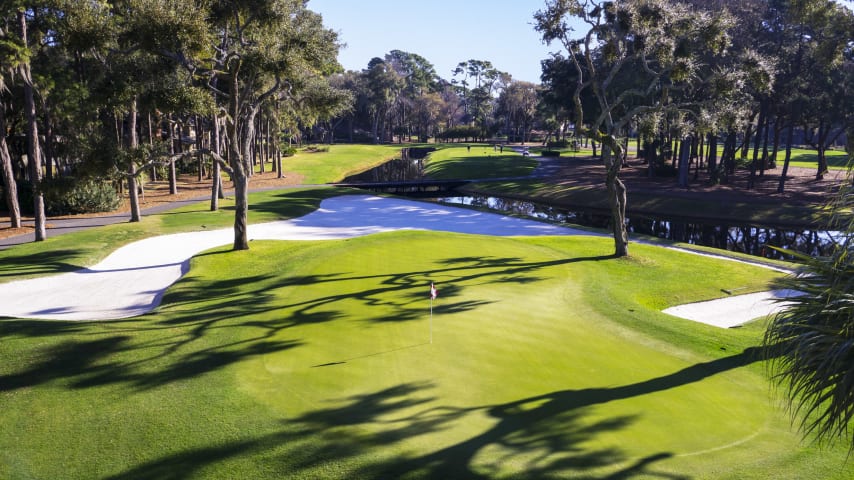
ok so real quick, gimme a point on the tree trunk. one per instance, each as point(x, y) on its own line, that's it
point(173, 174)
point(748, 134)
point(778, 131)
point(617, 201)
point(133, 194)
point(279, 173)
point(239, 164)
point(375, 130)
point(48, 146)
point(823, 133)
point(199, 146)
point(33, 149)
point(764, 163)
point(611, 157)
point(712, 160)
point(684, 161)
point(216, 176)
point(789, 138)
point(151, 144)
point(10, 189)
point(751, 182)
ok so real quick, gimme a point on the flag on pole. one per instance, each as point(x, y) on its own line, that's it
point(433, 291)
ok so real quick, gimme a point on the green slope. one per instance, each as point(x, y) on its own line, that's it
point(549, 359)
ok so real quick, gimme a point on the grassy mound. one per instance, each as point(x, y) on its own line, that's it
point(312, 360)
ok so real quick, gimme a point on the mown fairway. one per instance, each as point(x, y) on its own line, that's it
point(453, 161)
point(312, 360)
point(334, 162)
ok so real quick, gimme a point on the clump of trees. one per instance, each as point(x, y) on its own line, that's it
point(400, 97)
point(689, 77)
point(118, 91)
point(109, 92)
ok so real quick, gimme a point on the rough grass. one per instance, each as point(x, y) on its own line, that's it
point(836, 159)
point(550, 359)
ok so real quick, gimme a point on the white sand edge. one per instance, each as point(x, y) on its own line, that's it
point(131, 281)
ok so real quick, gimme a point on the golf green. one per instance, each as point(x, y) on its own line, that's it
point(549, 359)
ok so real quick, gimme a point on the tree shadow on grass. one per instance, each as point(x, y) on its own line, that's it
point(67, 360)
point(209, 324)
point(294, 203)
point(543, 436)
point(41, 263)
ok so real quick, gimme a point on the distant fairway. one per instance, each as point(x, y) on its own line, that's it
point(311, 360)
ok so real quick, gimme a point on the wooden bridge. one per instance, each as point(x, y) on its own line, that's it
point(410, 187)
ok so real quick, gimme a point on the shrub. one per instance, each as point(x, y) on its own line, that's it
point(289, 151)
point(70, 195)
point(316, 149)
point(550, 153)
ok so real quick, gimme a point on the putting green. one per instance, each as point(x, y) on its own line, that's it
point(550, 359)
point(524, 374)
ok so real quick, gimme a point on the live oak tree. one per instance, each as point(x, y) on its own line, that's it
point(663, 40)
point(383, 84)
point(248, 53)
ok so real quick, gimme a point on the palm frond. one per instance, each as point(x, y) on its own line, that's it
point(811, 343)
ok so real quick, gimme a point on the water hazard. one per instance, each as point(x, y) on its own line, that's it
point(750, 239)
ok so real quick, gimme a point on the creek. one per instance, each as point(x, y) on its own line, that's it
point(752, 239)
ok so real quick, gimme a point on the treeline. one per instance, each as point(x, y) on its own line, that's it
point(737, 75)
point(400, 97)
point(101, 93)
point(766, 74)
point(104, 93)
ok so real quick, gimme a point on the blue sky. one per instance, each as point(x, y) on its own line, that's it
point(445, 32)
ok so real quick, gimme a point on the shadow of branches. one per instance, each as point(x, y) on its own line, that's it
point(42, 263)
point(542, 437)
point(206, 324)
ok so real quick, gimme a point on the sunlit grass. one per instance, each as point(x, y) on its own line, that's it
point(477, 161)
point(836, 159)
point(550, 358)
point(333, 163)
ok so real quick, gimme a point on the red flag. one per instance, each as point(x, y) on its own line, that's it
point(433, 291)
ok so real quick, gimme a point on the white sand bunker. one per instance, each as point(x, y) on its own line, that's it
point(131, 281)
point(736, 310)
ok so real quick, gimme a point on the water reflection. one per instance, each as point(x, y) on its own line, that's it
point(753, 240)
point(750, 239)
point(408, 168)
point(391, 171)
